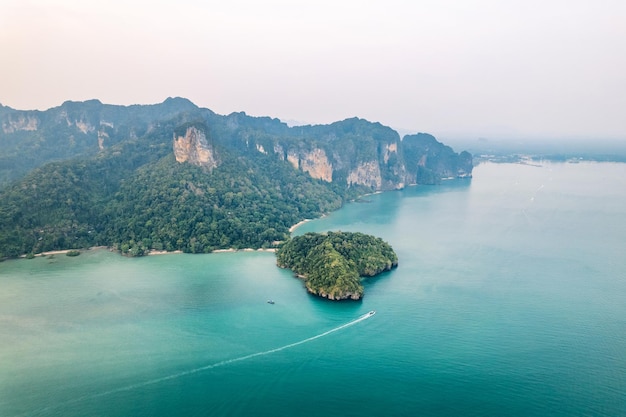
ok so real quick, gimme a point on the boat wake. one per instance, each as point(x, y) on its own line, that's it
point(204, 368)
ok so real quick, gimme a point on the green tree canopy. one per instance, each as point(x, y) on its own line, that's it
point(332, 263)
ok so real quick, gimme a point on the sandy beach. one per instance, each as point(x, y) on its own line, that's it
point(64, 251)
point(295, 226)
point(223, 250)
point(162, 252)
point(152, 252)
point(244, 250)
point(53, 252)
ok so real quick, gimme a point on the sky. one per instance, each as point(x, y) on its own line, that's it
point(452, 68)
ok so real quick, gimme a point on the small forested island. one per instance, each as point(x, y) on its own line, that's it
point(332, 263)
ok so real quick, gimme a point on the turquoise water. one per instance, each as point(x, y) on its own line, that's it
point(510, 299)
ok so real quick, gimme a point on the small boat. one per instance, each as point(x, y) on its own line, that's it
point(371, 313)
point(270, 301)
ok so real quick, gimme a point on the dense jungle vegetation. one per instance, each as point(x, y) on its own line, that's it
point(332, 263)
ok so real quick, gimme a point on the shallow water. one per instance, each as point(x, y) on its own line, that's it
point(510, 299)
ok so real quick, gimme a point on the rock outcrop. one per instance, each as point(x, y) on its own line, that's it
point(366, 173)
point(376, 161)
point(317, 165)
point(194, 149)
point(20, 121)
point(294, 159)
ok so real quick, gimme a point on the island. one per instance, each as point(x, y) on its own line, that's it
point(333, 263)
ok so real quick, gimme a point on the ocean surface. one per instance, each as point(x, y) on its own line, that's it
point(509, 300)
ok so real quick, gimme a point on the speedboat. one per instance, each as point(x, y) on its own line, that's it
point(371, 313)
point(270, 301)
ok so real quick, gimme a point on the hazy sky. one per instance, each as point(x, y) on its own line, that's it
point(473, 68)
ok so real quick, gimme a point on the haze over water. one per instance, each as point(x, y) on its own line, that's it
point(509, 299)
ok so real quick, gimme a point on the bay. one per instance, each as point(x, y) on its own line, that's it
point(509, 299)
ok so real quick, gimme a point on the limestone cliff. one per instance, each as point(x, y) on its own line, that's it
point(389, 150)
point(375, 158)
point(102, 136)
point(366, 173)
point(193, 148)
point(82, 125)
point(293, 158)
point(20, 121)
point(380, 164)
point(317, 165)
point(351, 152)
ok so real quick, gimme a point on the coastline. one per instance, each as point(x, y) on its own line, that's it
point(53, 252)
point(164, 252)
point(148, 253)
point(65, 251)
point(243, 250)
point(300, 223)
point(295, 226)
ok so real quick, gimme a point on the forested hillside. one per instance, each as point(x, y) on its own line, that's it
point(149, 201)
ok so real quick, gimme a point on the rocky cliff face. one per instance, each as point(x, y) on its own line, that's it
point(294, 158)
point(334, 296)
point(194, 149)
point(380, 162)
point(20, 121)
point(366, 173)
point(316, 163)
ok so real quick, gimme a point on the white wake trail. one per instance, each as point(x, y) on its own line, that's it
point(202, 368)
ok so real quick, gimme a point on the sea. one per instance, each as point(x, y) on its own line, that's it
point(509, 300)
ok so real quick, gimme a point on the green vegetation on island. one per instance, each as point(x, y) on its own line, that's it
point(332, 263)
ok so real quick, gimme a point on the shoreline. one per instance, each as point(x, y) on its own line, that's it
point(164, 252)
point(64, 251)
point(161, 252)
point(148, 253)
point(300, 223)
point(231, 250)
